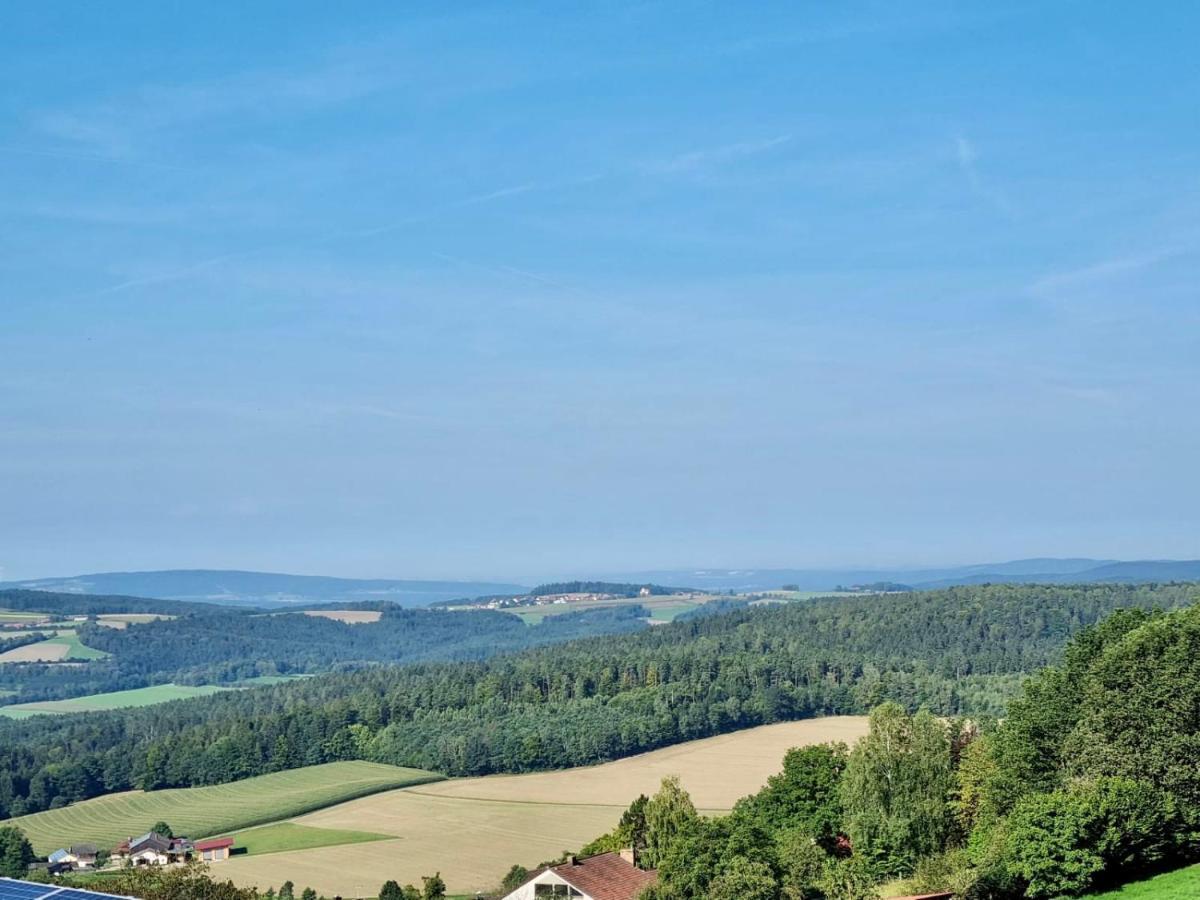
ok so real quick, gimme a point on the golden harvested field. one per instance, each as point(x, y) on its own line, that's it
point(124, 620)
point(473, 829)
point(42, 651)
point(349, 616)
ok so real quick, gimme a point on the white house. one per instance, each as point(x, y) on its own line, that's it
point(609, 876)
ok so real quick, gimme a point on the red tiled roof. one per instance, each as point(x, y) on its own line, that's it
point(213, 844)
point(606, 877)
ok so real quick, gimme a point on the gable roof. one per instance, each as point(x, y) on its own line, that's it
point(151, 840)
point(213, 844)
point(83, 849)
point(606, 877)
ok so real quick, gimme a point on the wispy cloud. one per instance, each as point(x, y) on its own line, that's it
point(967, 157)
point(184, 272)
point(696, 160)
point(1067, 281)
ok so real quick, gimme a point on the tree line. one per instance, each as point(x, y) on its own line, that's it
point(222, 646)
point(955, 651)
point(1090, 781)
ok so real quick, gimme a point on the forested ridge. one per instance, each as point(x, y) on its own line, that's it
point(961, 650)
point(1089, 781)
point(65, 604)
point(219, 646)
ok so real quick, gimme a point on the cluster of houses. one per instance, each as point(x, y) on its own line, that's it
point(150, 849)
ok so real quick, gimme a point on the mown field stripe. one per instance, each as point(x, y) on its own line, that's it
point(216, 809)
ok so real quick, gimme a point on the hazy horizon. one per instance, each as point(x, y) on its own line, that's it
point(482, 291)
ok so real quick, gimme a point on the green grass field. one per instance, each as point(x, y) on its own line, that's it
point(11, 616)
point(1182, 884)
point(205, 811)
point(113, 700)
point(661, 609)
point(289, 836)
point(77, 651)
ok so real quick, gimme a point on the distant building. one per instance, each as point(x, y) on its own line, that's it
point(214, 849)
point(77, 856)
point(152, 849)
point(609, 876)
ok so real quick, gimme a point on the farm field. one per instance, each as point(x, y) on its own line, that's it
point(124, 620)
point(42, 651)
point(504, 819)
point(204, 811)
point(1182, 884)
point(284, 836)
point(661, 609)
point(113, 700)
point(64, 645)
point(349, 616)
point(15, 617)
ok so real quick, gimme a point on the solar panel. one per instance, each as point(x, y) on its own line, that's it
point(12, 889)
point(76, 894)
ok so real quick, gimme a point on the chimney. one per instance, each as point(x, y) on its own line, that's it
point(574, 860)
point(629, 855)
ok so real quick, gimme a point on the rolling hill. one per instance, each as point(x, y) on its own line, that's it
point(262, 589)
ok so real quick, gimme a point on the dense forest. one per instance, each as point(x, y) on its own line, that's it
point(63, 604)
point(222, 646)
point(961, 650)
point(1088, 782)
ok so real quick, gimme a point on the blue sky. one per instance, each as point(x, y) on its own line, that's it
point(501, 289)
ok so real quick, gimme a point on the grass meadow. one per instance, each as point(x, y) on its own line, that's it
point(113, 700)
point(204, 811)
point(1182, 884)
point(283, 836)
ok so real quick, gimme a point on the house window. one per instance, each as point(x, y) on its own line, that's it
point(555, 890)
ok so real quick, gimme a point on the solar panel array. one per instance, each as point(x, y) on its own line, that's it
point(12, 889)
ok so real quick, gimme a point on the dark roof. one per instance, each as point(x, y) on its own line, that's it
point(606, 877)
point(213, 844)
point(83, 849)
point(151, 840)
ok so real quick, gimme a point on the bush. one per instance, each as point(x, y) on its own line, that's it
point(1065, 842)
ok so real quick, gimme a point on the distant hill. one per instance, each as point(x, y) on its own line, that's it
point(262, 589)
point(1021, 571)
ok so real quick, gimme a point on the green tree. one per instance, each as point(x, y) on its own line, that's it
point(1065, 841)
point(896, 790)
point(433, 887)
point(802, 861)
point(515, 878)
point(16, 853)
point(287, 891)
point(1139, 727)
point(163, 828)
point(630, 832)
point(744, 879)
point(308, 894)
point(804, 795)
point(668, 813)
point(848, 879)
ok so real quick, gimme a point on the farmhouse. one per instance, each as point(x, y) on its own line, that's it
point(214, 849)
point(152, 849)
point(609, 876)
point(77, 856)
